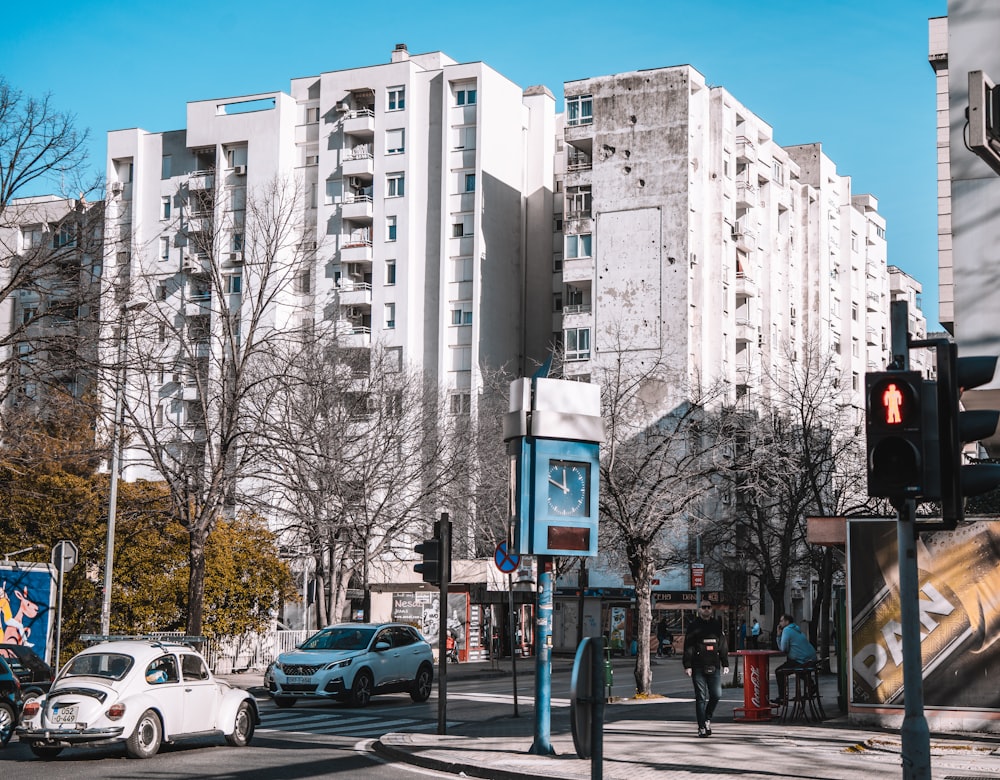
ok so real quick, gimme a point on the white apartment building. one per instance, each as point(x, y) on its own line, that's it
point(423, 206)
point(689, 231)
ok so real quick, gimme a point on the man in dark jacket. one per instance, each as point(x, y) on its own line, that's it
point(706, 659)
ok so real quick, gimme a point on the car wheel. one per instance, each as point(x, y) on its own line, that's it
point(145, 740)
point(422, 683)
point(45, 753)
point(361, 691)
point(284, 701)
point(7, 721)
point(243, 727)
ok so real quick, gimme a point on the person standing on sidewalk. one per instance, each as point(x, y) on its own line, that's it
point(706, 659)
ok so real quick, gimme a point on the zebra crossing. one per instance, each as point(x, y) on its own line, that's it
point(331, 722)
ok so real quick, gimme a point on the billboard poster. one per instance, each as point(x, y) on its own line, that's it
point(28, 605)
point(423, 610)
point(959, 588)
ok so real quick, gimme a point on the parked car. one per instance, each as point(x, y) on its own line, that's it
point(10, 702)
point(140, 692)
point(352, 662)
point(33, 673)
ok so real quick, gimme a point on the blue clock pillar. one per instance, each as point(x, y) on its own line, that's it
point(553, 433)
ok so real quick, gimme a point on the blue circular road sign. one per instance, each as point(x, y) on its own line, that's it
point(506, 560)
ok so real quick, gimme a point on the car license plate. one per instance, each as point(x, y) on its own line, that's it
point(299, 679)
point(64, 715)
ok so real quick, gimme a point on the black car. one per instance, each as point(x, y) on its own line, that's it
point(33, 673)
point(10, 702)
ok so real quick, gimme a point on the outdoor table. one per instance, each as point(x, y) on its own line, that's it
point(756, 673)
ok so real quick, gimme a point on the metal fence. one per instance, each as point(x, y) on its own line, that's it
point(251, 651)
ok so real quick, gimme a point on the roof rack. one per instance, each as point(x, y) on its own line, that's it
point(159, 639)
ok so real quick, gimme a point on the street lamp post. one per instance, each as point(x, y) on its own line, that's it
point(116, 431)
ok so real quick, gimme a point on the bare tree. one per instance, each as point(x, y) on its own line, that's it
point(799, 453)
point(359, 457)
point(659, 466)
point(201, 338)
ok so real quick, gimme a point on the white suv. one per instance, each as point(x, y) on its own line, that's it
point(353, 661)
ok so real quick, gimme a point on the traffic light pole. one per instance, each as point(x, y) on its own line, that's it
point(915, 735)
point(445, 536)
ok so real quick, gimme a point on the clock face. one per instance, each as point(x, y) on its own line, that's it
point(569, 488)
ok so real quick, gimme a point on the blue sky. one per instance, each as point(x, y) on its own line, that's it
point(852, 74)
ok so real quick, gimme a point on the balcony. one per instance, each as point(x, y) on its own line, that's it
point(578, 269)
point(352, 334)
point(577, 161)
point(357, 207)
point(197, 306)
point(359, 161)
point(200, 222)
point(354, 293)
point(746, 194)
point(746, 152)
point(577, 308)
point(360, 122)
point(198, 264)
point(744, 237)
point(874, 299)
point(746, 330)
point(355, 250)
point(745, 285)
point(201, 180)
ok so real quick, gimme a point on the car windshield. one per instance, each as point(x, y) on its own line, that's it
point(339, 639)
point(113, 666)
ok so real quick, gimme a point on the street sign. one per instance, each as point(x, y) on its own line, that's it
point(505, 560)
point(64, 555)
point(697, 575)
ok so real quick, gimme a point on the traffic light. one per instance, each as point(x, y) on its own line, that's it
point(957, 428)
point(430, 567)
point(902, 433)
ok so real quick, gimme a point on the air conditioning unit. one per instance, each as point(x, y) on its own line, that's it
point(240, 170)
point(354, 269)
point(117, 188)
point(355, 181)
point(176, 379)
point(342, 107)
point(189, 263)
point(354, 311)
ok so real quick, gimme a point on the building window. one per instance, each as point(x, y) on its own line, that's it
point(463, 226)
point(237, 243)
point(880, 231)
point(557, 225)
point(578, 202)
point(394, 141)
point(854, 312)
point(31, 238)
point(165, 207)
point(236, 155)
point(161, 292)
point(390, 228)
point(312, 115)
point(164, 248)
point(578, 246)
point(465, 97)
point(166, 163)
point(312, 159)
point(234, 284)
point(460, 403)
point(462, 314)
point(390, 272)
point(64, 236)
point(390, 316)
point(470, 182)
point(778, 172)
point(465, 137)
point(576, 343)
point(394, 185)
point(303, 282)
point(28, 314)
point(395, 99)
point(557, 301)
point(557, 262)
point(580, 110)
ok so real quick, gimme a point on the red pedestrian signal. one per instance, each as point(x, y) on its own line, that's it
point(897, 463)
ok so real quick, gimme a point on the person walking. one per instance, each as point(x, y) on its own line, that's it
point(706, 659)
point(662, 631)
point(755, 635)
point(799, 650)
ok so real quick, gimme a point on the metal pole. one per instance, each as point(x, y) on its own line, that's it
point(597, 714)
point(542, 745)
point(915, 736)
point(62, 577)
point(109, 555)
point(511, 634)
point(445, 564)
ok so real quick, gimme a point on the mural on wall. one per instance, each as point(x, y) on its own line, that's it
point(959, 583)
point(27, 605)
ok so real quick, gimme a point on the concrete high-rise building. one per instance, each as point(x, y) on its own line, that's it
point(423, 209)
point(689, 232)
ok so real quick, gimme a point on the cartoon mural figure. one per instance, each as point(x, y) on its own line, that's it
point(14, 630)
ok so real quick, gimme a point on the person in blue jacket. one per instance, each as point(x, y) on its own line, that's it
point(794, 644)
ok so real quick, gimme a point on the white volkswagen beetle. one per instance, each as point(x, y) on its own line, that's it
point(140, 692)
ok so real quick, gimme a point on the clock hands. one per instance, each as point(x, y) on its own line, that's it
point(564, 486)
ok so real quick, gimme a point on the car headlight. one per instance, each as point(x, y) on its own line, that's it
point(277, 665)
point(340, 664)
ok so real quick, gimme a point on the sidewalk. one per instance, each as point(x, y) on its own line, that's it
point(657, 738)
